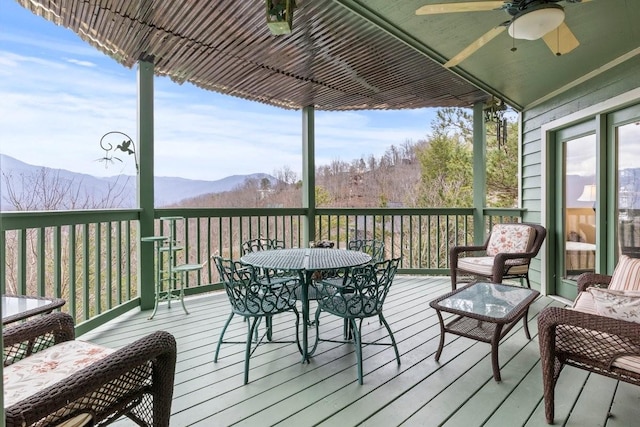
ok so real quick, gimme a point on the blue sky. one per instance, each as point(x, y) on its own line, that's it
point(58, 96)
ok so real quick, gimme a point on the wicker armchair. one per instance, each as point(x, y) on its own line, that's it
point(499, 258)
point(135, 381)
point(588, 341)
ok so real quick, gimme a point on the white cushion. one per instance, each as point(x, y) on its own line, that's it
point(623, 305)
point(626, 276)
point(585, 302)
point(510, 238)
point(483, 265)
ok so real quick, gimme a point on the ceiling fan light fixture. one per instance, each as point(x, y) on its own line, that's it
point(535, 22)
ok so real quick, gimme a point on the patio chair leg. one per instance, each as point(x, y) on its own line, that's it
point(393, 340)
point(317, 324)
point(295, 310)
point(357, 339)
point(247, 353)
point(347, 332)
point(224, 329)
point(269, 324)
point(255, 330)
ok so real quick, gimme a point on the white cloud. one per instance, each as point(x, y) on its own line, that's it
point(82, 63)
point(60, 95)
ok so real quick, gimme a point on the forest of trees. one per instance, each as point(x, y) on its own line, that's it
point(434, 172)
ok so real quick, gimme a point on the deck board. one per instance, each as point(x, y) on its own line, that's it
point(458, 390)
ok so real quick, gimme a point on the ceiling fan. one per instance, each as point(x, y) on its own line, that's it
point(529, 20)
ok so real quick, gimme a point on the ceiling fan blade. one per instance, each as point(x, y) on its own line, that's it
point(432, 9)
point(469, 50)
point(561, 40)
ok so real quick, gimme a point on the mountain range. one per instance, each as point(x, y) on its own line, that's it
point(23, 179)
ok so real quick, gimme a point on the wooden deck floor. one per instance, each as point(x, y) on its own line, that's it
point(457, 391)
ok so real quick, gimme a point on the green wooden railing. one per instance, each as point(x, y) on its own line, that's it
point(90, 258)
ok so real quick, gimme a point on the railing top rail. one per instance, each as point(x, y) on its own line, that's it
point(25, 219)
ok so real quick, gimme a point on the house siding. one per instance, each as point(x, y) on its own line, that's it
point(616, 81)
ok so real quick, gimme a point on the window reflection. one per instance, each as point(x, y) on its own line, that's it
point(628, 212)
point(580, 194)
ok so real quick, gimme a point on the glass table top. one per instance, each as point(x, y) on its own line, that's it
point(19, 307)
point(487, 299)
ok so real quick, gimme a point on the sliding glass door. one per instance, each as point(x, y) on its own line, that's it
point(576, 193)
point(624, 131)
point(595, 192)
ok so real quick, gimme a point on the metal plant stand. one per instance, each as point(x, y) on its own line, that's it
point(168, 245)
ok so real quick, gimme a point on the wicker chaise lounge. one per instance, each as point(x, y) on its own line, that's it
point(52, 379)
point(583, 338)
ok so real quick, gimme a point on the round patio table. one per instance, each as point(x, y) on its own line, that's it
point(306, 261)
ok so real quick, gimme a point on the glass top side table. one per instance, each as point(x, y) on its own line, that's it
point(485, 312)
point(19, 307)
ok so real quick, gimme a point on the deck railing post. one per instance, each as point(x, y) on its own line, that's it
point(479, 172)
point(308, 175)
point(145, 187)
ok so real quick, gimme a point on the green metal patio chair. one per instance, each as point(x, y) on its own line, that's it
point(261, 244)
point(272, 277)
point(253, 300)
point(373, 247)
point(264, 244)
point(362, 296)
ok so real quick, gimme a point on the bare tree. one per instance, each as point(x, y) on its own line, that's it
point(47, 189)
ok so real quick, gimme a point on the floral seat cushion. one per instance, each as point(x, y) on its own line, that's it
point(510, 238)
point(48, 367)
point(54, 365)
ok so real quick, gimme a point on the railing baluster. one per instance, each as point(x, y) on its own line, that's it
point(57, 262)
point(41, 273)
point(107, 268)
point(71, 302)
point(85, 272)
point(97, 273)
point(118, 262)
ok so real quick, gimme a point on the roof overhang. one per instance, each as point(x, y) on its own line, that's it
point(333, 60)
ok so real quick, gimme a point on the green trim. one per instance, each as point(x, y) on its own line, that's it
point(203, 289)
point(556, 183)
point(145, 195)
point(108, 315)
point(24, 220)
point(227, 212)
point(479, 172)
point(309, 174)
point(609, 202)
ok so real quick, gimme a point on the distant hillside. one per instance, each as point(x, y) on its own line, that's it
point(24, 179)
